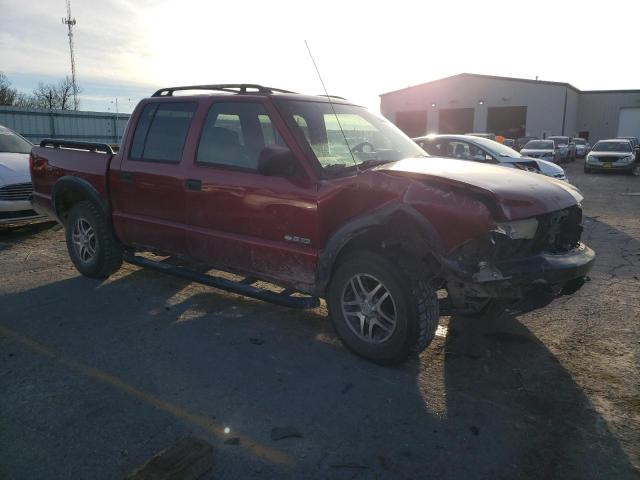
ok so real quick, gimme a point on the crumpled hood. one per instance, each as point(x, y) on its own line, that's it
point(14, 168)
point(516, 193)
point(548, 168)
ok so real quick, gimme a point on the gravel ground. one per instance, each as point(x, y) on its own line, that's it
point(96, 377)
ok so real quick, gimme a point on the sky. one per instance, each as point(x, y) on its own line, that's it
point(126, 49)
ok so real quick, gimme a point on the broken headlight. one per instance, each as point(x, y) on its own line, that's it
point(519, 230)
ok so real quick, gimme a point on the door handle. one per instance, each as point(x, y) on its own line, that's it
point(126, 176)
point(193, 184)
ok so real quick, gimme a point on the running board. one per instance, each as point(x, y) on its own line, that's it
point(243, 287)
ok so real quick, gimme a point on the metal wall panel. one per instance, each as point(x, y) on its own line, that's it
point(35, 124)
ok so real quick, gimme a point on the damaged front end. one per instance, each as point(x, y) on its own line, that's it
point(524, 263)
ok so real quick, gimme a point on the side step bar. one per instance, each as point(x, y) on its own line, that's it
point(243, 287)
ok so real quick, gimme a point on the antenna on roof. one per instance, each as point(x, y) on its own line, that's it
point(331, 103)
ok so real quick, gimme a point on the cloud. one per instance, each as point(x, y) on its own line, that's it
point(362, 48)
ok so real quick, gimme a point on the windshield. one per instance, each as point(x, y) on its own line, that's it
point(579, 141)
point(539, 145)
point(560, 140)
point(369, 138)
point(495, 148)
point(612, 147)
point(10, 142)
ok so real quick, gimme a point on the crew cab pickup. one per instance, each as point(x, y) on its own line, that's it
point(321, 198)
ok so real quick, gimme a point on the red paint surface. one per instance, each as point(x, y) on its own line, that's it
point(239, 220)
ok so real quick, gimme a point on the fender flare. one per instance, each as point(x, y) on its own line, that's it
point(419, 225)
point(77, 184)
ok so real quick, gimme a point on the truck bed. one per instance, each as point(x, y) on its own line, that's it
point(55, 159)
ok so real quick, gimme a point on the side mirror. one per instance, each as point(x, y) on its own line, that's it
point(277, 161)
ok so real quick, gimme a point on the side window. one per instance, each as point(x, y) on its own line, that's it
point(230, 122)
point(269, 133)
point(234, 135)
point(432, 148)
point(458, 150)
point(302, 123)
point(161, 132)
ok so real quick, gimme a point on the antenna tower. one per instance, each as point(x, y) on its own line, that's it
point(70, 22)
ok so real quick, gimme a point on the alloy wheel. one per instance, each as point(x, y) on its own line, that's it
point(84, 239)
point(369, 308)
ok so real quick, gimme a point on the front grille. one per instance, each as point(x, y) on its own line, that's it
point(16, 192)
point(559, 231)
point(608, 159)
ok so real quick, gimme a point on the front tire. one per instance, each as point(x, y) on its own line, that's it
point(379, 311)
point(93, 248)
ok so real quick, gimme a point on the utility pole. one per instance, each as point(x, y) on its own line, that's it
point(116, 124)
point(70, 22)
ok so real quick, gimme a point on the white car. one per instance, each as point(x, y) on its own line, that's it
point(466, 147)
point(542, 150)
point(15, 179)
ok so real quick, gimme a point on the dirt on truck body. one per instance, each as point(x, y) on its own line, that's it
point(318, 196)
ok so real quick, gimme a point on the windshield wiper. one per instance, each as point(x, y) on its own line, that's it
point(373, 162)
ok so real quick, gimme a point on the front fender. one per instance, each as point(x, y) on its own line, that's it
point(403, 220)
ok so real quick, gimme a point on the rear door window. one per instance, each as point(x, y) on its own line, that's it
point(234, 134)
point(162, 131)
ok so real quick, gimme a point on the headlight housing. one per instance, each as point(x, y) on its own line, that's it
point(520, 229)
point(627, 159)
point(591, 159)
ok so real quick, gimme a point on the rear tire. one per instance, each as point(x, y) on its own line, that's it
point(379, 311)
point(93, 248)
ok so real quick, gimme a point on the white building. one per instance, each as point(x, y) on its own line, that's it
point(512, 107)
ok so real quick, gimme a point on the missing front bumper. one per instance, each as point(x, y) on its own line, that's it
point(537, 279)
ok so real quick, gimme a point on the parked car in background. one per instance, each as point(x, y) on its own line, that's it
point(635, 144)
point(490, 136)
point(582, 147)
point(542, 149)
point(521, 142)
point(15, 180)
point(466, 147)
point(509, 142)
point(374, 227)
point(614, 154)
point(566, 146)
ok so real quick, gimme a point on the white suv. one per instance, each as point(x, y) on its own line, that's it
point(15, 179)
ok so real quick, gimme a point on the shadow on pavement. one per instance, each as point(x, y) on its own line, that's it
point(489, 401)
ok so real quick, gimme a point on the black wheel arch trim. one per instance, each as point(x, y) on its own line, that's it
point(75, 183)
point(88, 190)
point(382, 217)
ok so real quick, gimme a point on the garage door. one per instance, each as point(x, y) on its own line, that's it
point(510, 122)
point(629, 122)
point(455, 120)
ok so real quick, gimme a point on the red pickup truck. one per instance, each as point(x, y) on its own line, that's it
point(320, 197)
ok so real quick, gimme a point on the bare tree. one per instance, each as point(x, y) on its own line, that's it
point(55, 96)
point(23, 100)
point(7, 94)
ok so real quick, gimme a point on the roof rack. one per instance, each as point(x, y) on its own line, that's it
point(331, 96)
point(241, 88)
